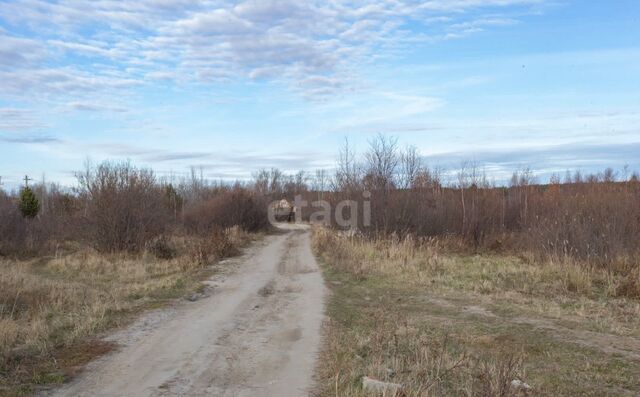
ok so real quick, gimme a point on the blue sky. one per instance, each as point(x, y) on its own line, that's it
point(232, 87)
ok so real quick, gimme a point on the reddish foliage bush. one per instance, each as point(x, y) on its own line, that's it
point(596, 222)
point(227, 208)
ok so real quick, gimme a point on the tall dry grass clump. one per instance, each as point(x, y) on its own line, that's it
point(361, 255)
point(425, 362)
point(375, 335)
point(217, 245)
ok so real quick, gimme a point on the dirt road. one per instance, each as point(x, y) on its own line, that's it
point(257, 334)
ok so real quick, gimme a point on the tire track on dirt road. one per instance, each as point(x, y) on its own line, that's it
point(257, 334)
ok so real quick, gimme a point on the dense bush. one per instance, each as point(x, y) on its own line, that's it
point(13, 227)
point(56, 222)
point(236, 206)
point(593, 219)
point(123, 206)
point(118, 207)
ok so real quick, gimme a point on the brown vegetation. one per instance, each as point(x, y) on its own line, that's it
point(118, 207)
point(459, 286)
point(122, 207)
point(563, 251)
point(410, 311)
point(51, 305)
point(593, 219)
point(229, 207)
point(120, 241)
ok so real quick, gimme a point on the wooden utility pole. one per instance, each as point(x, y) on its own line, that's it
point(26, 181)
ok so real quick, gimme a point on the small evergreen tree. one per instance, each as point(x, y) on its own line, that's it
point(29, 204)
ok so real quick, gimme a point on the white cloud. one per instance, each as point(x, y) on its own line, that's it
point(462, 5)
point(16, 52)
point(89, 106)
point(301, 43)
point(16, 120)
point(216, 22)
point(61, 82)
point(478, 25)
point(93, 49)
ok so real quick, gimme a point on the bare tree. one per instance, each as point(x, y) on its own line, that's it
point(521, 181)
point(269, 182)
point(348, 169)
point(295, 184)
point(301, 178)
point(463, 184)
point(320, 182)
point(276, 180)
point(381, 162)
point(410, 167)
point(261, 181)
point(609, 175)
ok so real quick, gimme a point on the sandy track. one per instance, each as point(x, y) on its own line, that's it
point(257, 334)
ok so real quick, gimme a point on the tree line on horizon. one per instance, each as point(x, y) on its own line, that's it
point(115, 206)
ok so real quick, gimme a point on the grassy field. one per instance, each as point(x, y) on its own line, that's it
point(407, 312)
point(53, 309)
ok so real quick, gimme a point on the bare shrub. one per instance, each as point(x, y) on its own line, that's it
point(227, 208)
point(123, 206)
point(13, 227)
point(592, 219)
point(494, 377)
point(118, 207)
point(56, 222)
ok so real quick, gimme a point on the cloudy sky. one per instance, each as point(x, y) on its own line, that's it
point(236, 86)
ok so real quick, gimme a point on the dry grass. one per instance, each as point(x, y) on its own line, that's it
point(49, 306)
point(425, 361)
point(563, 328)
point(560, 289)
